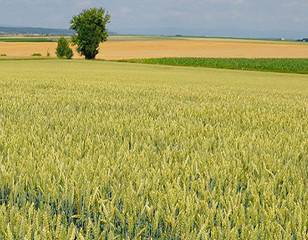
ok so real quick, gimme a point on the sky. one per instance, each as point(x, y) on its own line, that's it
point(225, 18)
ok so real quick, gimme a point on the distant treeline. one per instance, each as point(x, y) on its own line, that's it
point(38, 31)
point(27, 39)
point(33, 31)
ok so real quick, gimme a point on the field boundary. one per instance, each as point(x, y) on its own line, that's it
point(281, 65)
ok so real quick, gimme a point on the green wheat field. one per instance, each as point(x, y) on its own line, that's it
point(286, 65)
point(109, 150)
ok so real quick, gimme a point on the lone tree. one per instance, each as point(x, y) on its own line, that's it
point(90, 26)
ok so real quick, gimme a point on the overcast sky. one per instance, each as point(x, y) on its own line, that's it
point(242, 18)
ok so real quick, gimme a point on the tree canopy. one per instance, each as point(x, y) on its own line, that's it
point(63, 49)
point(90, 26)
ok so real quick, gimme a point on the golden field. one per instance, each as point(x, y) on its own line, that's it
point(126, 47)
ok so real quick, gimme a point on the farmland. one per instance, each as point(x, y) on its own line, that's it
point(97, 149)
point(132, 47)
point(287, 65)
point(25, 39)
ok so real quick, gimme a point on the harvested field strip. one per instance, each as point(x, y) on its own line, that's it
point(140, 37)
point(114, 50)
point(170, 47)
point(288, 65)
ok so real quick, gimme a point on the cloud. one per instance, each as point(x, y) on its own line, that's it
point(238, 15)
point(297, 19)
point(232, 2)
point(84, 3)
point(125, 10)
point(175, 13)
point(205, 2)
point(295, 4)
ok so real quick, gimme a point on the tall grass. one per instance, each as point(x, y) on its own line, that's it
point(99, 150)
point(288, 65)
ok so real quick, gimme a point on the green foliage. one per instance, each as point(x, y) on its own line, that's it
point(107, 150)
point(289, 65)
point(36, 55)
point(3, 55)
point(90, 26)
point(26, 39)
point(63, 49)
point(69, 53)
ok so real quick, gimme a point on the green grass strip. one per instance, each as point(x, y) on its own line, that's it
point(26, 40)
point(285, 65)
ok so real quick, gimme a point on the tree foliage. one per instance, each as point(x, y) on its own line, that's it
point(90, 26)
point(63, 49)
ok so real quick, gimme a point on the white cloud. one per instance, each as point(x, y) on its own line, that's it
point(84, 3)
point(229, 2)
point(125, 10)
point(175, 13)
point(232, 2)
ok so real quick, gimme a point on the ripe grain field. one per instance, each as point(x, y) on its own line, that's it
point(132, 47)
point(107, 150)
